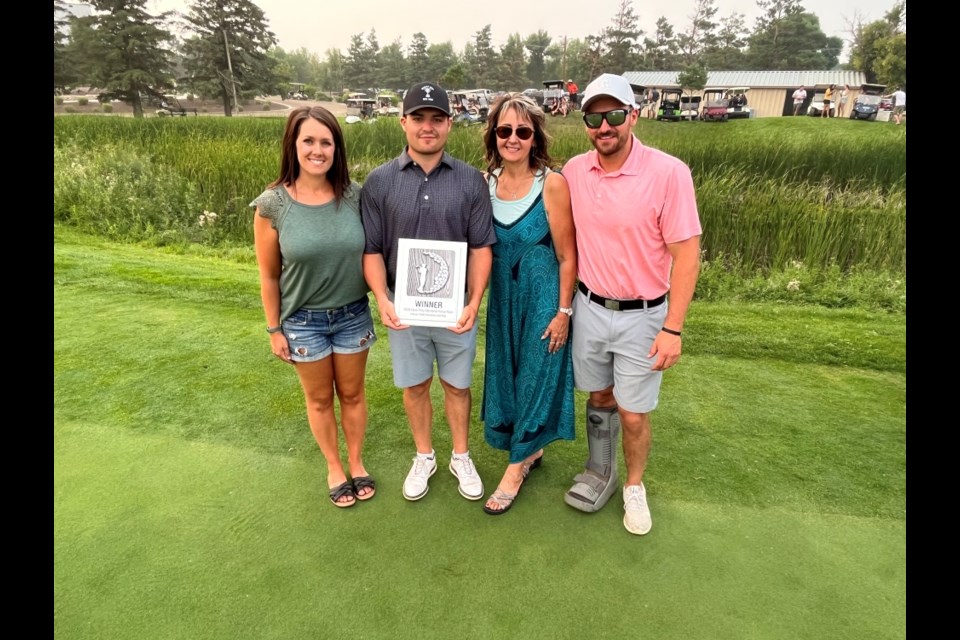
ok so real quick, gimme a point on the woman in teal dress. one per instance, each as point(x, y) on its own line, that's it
point(528, 379)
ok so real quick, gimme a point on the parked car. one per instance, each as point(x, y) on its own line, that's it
point(867, 104)
point(715, 105)
point(738, 103)
point(669, 104)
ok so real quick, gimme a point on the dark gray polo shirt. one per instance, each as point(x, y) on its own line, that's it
point(450, 203)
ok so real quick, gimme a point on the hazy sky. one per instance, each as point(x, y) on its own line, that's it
point(319, 25)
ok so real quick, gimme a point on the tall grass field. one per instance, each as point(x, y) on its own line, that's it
point(190, 499)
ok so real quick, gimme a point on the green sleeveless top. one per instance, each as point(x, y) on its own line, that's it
point(321, 249)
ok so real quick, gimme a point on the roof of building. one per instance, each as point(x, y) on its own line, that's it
point(754, 79)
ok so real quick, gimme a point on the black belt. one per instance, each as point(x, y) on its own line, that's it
point(620, 305)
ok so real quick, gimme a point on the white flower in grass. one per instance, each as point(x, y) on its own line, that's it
point(793, 285)
point(207, 217)
point(796, 264)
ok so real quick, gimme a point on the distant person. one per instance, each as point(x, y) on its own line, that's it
point(652, 104)
point(528, 399)
point(638, 242)
point(843, 99)
point(425, 193)
point(798, 97)
point(573, 90)
point(309, 243)
point(827, 102)
point(900, 105)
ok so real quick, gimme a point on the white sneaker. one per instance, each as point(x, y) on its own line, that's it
point(415, 486)
point(636, 517)
point(471, 486)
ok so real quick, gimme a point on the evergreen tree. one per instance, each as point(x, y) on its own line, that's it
point(620, 40)
point(418, 60)
point(512, 70)
point(537, 45)
point(728, 54)
point(659, 52)
point(393, 66)
point(125, 53)
point(443, 59)
point(701, 35)
point(227, 55)
point(482, 63)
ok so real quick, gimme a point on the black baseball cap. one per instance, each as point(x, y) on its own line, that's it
point(426, 95)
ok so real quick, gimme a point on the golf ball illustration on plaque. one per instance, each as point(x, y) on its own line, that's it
point(431, 276)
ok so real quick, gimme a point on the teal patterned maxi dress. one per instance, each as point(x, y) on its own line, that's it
point(527, 392)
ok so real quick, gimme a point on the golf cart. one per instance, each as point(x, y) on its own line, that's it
point(715, 105)
point(816, 104)
point(555, 97)
point(669, 104)
point(868, 102)
point(359, 107)
point(690, 107)
point(469, 106)
point(738, 103)
point(385, 105)
point(297, 92)
point(170, 106)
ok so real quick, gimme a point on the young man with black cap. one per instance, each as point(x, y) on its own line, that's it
point(638, 238)
point(427, 194)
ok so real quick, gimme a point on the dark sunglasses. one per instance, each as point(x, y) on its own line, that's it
point(504, 131)
point(614, 118)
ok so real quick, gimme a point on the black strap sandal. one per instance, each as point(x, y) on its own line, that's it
point(364, 482)
point(341, 490)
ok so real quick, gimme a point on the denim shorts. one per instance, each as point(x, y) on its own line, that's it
point(313, 334)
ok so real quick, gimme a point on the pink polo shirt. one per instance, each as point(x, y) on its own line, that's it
point(625, 220)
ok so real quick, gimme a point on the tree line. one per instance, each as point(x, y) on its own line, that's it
point(226, 51)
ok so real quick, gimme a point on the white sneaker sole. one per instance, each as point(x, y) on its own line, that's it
point(425, 488)
point(460, 488)
point(636, 531)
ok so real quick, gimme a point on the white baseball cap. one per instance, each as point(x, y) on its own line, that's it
point(609, 84)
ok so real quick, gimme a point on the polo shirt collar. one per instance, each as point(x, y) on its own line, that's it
point(405, 160)
point(632, 165)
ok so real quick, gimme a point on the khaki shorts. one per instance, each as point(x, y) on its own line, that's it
point(610, 349)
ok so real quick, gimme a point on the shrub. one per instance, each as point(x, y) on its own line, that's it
point(69, 109)
point(324, 97)
point(58, 100)
point(106, 107)
point(82, 102)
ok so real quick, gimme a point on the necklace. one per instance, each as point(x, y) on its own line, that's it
point(513, 192)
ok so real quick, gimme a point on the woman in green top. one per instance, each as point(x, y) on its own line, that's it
point(309, 243)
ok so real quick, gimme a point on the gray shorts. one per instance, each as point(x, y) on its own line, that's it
point(610, 349)
point(417, 348)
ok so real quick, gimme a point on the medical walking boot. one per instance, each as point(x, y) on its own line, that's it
point(593, 487)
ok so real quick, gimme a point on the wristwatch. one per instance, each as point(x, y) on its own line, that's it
point(566, 310)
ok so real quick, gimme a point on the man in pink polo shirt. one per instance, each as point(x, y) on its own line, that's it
point(638, 238)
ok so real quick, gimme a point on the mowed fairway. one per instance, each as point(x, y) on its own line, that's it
point(190, 499)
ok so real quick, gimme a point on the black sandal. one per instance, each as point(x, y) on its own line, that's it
point(340, 491)
point(364, 482)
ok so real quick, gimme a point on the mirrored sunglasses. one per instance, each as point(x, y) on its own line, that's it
point(504, 131)
point(614, 118)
